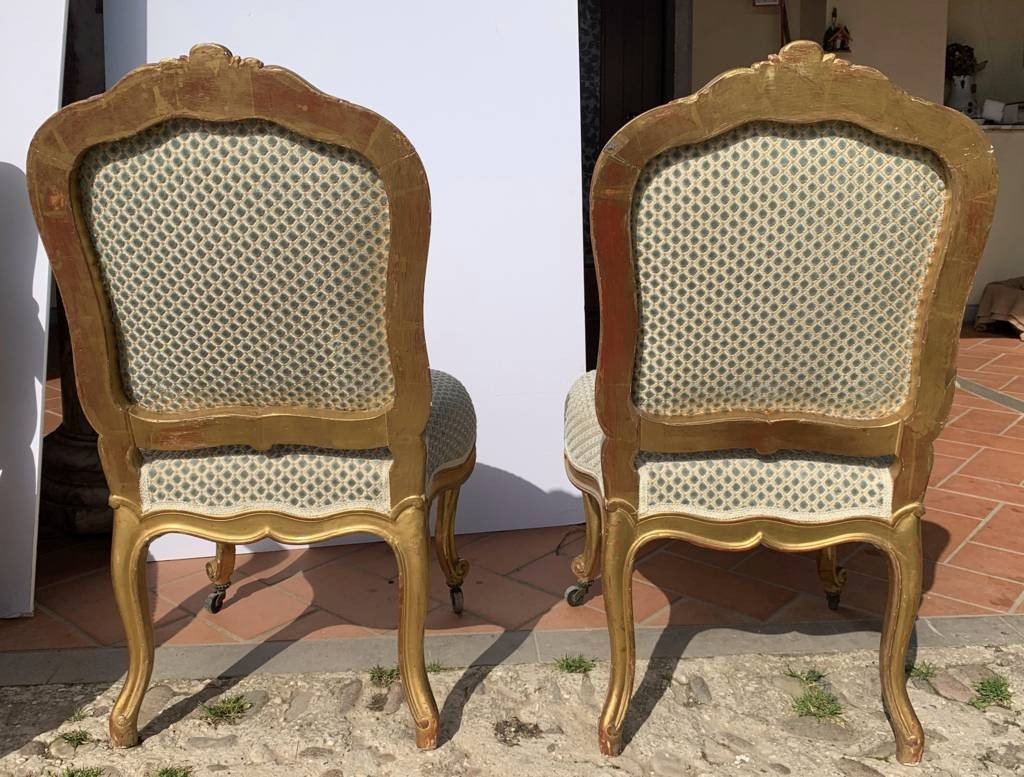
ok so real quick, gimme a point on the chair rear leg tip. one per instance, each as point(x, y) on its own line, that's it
point(457, 600)
point(575, 594)
point(832, 598)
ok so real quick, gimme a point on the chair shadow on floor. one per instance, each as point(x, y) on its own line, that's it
point(490, 499)
point(672, 643)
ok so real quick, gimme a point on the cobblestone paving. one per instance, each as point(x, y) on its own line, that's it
point(719, 716)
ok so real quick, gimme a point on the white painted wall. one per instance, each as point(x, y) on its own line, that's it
point(906, 40)
point(32, 58)
point(488, 92)
point(1004, 251)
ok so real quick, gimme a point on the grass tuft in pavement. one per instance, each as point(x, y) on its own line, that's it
point(922, 670)
point(227, 710)
point(434, 667)
point(816, 701)
point(992, 691)
point(78, 715)
point(175, 771)
point(80, 771)
point(76, 738)
point(384, 676)
point(575, 664)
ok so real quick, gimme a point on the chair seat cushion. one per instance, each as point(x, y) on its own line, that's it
point(302, 480)
point(733, 484)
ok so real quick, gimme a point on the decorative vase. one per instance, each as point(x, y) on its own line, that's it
point(961, 94)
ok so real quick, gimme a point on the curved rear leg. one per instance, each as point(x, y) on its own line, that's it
point(586, 565)
point(832, 576)
point(453, 567)
point(219, 571)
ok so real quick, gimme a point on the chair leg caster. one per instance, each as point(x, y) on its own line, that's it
point(832, 597)
point(575, 594)
point(456, 594)
point(215, 600)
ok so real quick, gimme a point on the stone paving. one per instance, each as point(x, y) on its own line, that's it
point(696, 717)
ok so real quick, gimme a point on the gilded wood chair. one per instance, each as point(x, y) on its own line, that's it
point(783, 260)
point(242, 260)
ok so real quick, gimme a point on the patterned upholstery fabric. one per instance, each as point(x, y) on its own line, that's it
point(732, 484)
point(300, 480)
point(244, 265)
point(779, 268)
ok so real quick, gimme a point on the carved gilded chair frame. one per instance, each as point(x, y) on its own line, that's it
point(212, 85)
point(800, 85)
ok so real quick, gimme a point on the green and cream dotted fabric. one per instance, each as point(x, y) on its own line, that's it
point(300, 480)
point(734, 484)
point(780, 268)
point(244, 265)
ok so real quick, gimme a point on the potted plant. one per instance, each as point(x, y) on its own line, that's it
point(961, 67)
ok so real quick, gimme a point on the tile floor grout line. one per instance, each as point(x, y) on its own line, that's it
point(996, 547)
point(74, 626)
point(1018, 606)
point(973, 532)
point(986, 574)
point(963, 464)
point(735, 572)
point(72, 578)
point(986, 498)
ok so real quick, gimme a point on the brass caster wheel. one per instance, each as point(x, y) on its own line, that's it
point(456, 594)
point(215, 600)
point(575, 594)
point(832, 597)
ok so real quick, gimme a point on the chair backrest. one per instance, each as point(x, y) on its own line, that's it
point(241, 258)
point(783, 260)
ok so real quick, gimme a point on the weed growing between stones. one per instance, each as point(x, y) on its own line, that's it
point(992, 691)
point(575, 664)
point(78, 715)
point(816, 701)
point(76, 738)
point(228, 710)
point(175, 771)
point(78, 771)
point(922, 670)
point(384, 676)
point(434, 667)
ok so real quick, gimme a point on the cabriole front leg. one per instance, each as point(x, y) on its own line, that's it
point(410, 546)
point(619, 540)
point(128, 571)
point(905, 564)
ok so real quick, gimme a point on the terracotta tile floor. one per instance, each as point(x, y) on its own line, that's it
point(973, 537)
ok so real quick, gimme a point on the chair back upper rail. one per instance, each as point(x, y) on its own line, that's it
point(211, 85)
point(800, 85)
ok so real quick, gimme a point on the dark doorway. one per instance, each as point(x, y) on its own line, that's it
point(626, 67)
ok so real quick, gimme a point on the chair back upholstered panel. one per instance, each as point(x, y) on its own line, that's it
point(242, 260)
point(783, 261)
point(243, 265)
point(781, 267)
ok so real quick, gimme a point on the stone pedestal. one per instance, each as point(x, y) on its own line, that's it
point(73, 490)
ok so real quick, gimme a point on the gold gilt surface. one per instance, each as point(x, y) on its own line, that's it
point(213, 85)
point(798, 85)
